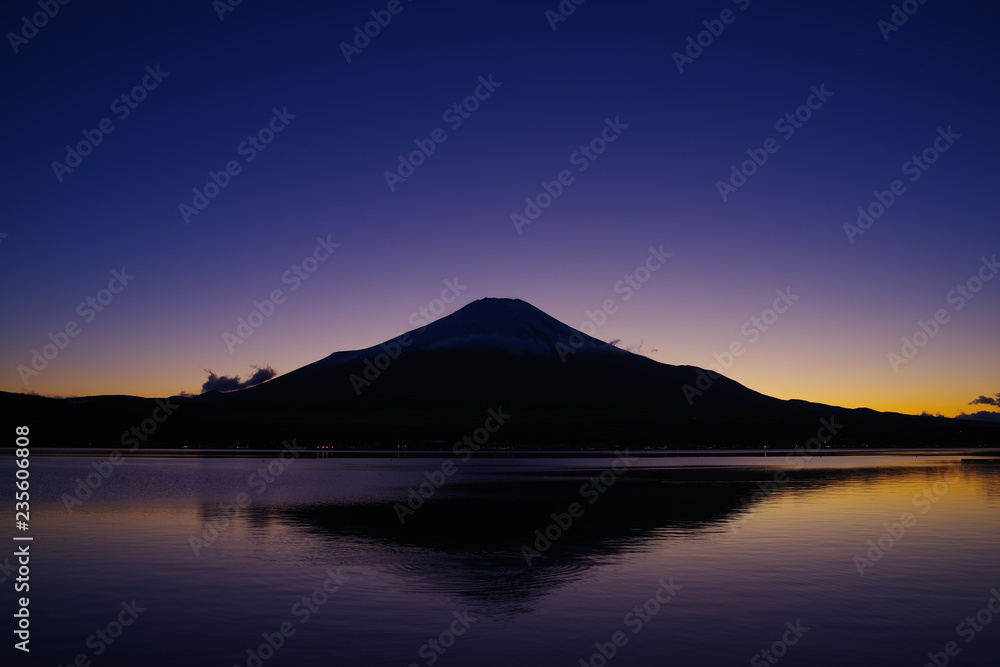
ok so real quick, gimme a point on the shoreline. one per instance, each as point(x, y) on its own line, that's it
point(979, 453)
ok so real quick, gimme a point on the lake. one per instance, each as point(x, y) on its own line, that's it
point(879, 559)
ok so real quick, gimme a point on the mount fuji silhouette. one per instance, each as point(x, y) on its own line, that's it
point(556, 388)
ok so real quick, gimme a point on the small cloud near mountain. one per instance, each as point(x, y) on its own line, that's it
point(634, 349)
point(226, 383)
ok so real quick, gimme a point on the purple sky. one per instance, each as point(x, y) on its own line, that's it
point(833, 107)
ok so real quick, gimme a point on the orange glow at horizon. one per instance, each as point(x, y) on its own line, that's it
point(796, 359)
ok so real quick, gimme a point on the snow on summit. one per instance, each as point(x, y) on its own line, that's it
point(512, 325)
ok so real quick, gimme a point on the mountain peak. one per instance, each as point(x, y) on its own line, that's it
point(509, 324)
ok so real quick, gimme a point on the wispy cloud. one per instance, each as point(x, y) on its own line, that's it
point(987, 400)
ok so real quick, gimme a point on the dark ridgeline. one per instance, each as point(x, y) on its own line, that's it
point(431, 386)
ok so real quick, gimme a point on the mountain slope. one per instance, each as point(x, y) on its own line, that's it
point(496, 351)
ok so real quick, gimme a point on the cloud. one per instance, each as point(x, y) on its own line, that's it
point(226, 383)
point(984, 415)
point(987, 400)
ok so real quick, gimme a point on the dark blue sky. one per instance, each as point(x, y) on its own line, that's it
point(323, 175)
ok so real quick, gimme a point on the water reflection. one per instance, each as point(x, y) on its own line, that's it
point(753, 545)
point(486, 541)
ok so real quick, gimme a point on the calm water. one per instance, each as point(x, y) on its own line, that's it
point(718, 574)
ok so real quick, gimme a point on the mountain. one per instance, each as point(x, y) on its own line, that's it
point(497, 363)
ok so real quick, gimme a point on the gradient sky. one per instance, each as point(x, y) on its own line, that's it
point(655, 185)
